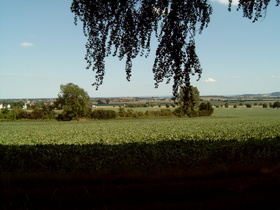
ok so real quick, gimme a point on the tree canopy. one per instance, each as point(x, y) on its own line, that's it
point(124, 28)
point(74, 101)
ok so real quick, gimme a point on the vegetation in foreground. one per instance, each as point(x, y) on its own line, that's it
point(228, 160)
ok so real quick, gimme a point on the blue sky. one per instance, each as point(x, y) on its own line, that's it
point(41, 48)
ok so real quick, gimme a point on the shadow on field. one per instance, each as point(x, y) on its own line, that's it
point(165, 175)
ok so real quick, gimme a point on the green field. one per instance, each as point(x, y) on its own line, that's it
point(227, 161)
point(225, 124)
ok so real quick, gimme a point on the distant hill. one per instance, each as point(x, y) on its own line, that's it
point(274, 94)
point(268, 96)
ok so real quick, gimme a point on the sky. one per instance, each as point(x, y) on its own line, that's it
point(41, 48)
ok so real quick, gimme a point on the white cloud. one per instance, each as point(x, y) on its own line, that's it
point(26, 44)
point(234, 2)
point(209, 80)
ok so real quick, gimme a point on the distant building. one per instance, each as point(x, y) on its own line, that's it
point(1, 106)
point(8, 106)
point(24, 106)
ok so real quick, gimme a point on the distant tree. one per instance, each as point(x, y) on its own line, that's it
point(270, 105)
point(107, 101)
point(265, 105)
point(206, 109)
point(74, 101)
point(276, 104)
point(99, 101)
point(17, 104)
point(248, 105)
point(226, 105)
point(124, 28)
point(191, 100)
point(234, 106)
point(167, 105)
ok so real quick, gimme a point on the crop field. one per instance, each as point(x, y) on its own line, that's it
point(226, 124)
point(227, 161)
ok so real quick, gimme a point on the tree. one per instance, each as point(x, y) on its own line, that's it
point(126, 27)
point(206, 109)
point(74, 101)
point(100, 101)
point(248, 105)
point(189, 98)
point(276, 104)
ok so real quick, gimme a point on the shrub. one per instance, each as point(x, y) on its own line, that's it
point(248, 105)
point(179, 112)
point(103, 114)
point(37, 114)
point(24, 115)
point(276, 104)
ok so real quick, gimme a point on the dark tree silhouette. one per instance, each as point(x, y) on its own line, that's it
point(124, 28)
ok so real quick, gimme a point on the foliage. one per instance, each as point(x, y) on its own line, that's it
point(158, 156)
point(99, 101)
point(189, 104)
point(276, 104)
point(189, 98)
point(74, 102)
point(205, 109)
point(248, 105)
point(226, 124)
point(232, 136)
point(103, 114)
point(17, 104)
point(126, 27)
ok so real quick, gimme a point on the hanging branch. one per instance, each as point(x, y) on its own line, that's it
point(124, 28)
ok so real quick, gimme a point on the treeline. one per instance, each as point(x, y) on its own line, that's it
point(47, 112)
point(276, 104)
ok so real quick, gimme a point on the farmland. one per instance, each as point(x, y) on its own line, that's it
point(225, 124)
point(231, 159)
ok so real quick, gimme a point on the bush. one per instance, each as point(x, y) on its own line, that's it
point(276, 104)
point(248, 105)
point(37, 114)
point(103, 114)
point(205, 109)
point(24, 115)
point(179, 112)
